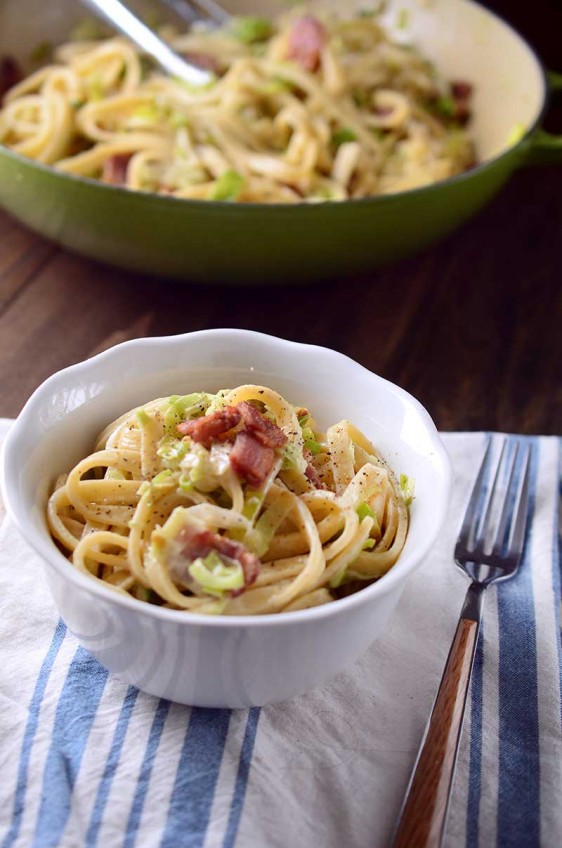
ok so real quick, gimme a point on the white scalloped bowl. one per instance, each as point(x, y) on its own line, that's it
point(219, 661)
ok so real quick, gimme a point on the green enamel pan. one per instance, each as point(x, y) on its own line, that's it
point(218, 242)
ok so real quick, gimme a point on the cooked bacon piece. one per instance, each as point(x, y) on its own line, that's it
point(200, 543)
point(115, 169)
point(312, 474)
point(10, 74)
point(236, 550)
point(251, 459)
point(208, 428)
point(268, 433)
point(461, 90)
point(306, 40)
point(461, 93)
point(310, 471)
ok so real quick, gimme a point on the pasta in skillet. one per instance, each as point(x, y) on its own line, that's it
point(297, 109)
point(231, 504)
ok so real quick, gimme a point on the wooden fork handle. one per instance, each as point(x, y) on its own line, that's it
point(424, 813)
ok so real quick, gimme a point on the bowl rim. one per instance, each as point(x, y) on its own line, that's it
point(43, 544)
point(283, 208)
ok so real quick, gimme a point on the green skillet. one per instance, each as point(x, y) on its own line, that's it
point(217, 242)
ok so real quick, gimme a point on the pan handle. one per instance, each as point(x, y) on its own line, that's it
point(541, 147)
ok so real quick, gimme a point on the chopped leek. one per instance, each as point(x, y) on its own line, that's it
point(292, 457)
point(402, 19)
point(163, 480)
point(371, 11)
point(456, 143)
point(360, 97)
point(187, 406)
point(217, 401)
point(337, 579)
point(310, 442)
point(363, 510)
point(368, 545)
point(89, 29)
point(148, 112)
point(141, 593)
point(172, 451)
point(228, 186)
point(251, 28)
point(42, 52)
point(143, 417)
point(214, 576)
point(313, 446)
point(95, 88)
point(445, 106)
point(407, 487)
point(252, 504)
point(185, 485)
point(177, 120)
point(342, 136)
point(276, 85)
point(143, 488)
point(199, 467)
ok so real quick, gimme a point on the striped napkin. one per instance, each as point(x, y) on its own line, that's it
point(89, 761)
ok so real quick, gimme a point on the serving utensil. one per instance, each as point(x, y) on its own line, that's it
point(121, 18)
point(488, 549)
point(195, 10)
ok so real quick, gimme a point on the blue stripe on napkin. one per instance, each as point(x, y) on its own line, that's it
point(242, 777)
point(519, 777)
point(196, 778)
point(111, 765)
point(476, 710)
point(137, 806)
point(30, 731)
point(74, 717)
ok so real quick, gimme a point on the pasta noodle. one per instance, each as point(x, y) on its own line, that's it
point(300, 109)
point(231, 504)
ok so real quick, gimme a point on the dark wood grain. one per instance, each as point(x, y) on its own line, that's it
point(472, 326)
point(423, 817)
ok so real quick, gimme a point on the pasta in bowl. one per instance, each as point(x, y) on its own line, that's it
point(226, 657)
point(231, 504)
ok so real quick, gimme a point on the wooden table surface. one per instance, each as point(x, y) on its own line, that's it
point(472, 326)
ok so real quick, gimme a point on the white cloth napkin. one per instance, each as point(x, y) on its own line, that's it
point(86, 760)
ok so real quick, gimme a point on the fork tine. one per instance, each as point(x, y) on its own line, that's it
point(183, 9)
point(511, 488)
point(471, 512)
point(211, 9)
point(487, 510)
point(520, 509)
point(191, 10)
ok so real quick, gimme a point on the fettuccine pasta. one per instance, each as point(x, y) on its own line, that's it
point(299, 109)
point(231, 504)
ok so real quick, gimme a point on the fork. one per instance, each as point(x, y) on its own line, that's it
point(488, 549)
point(119, 16)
